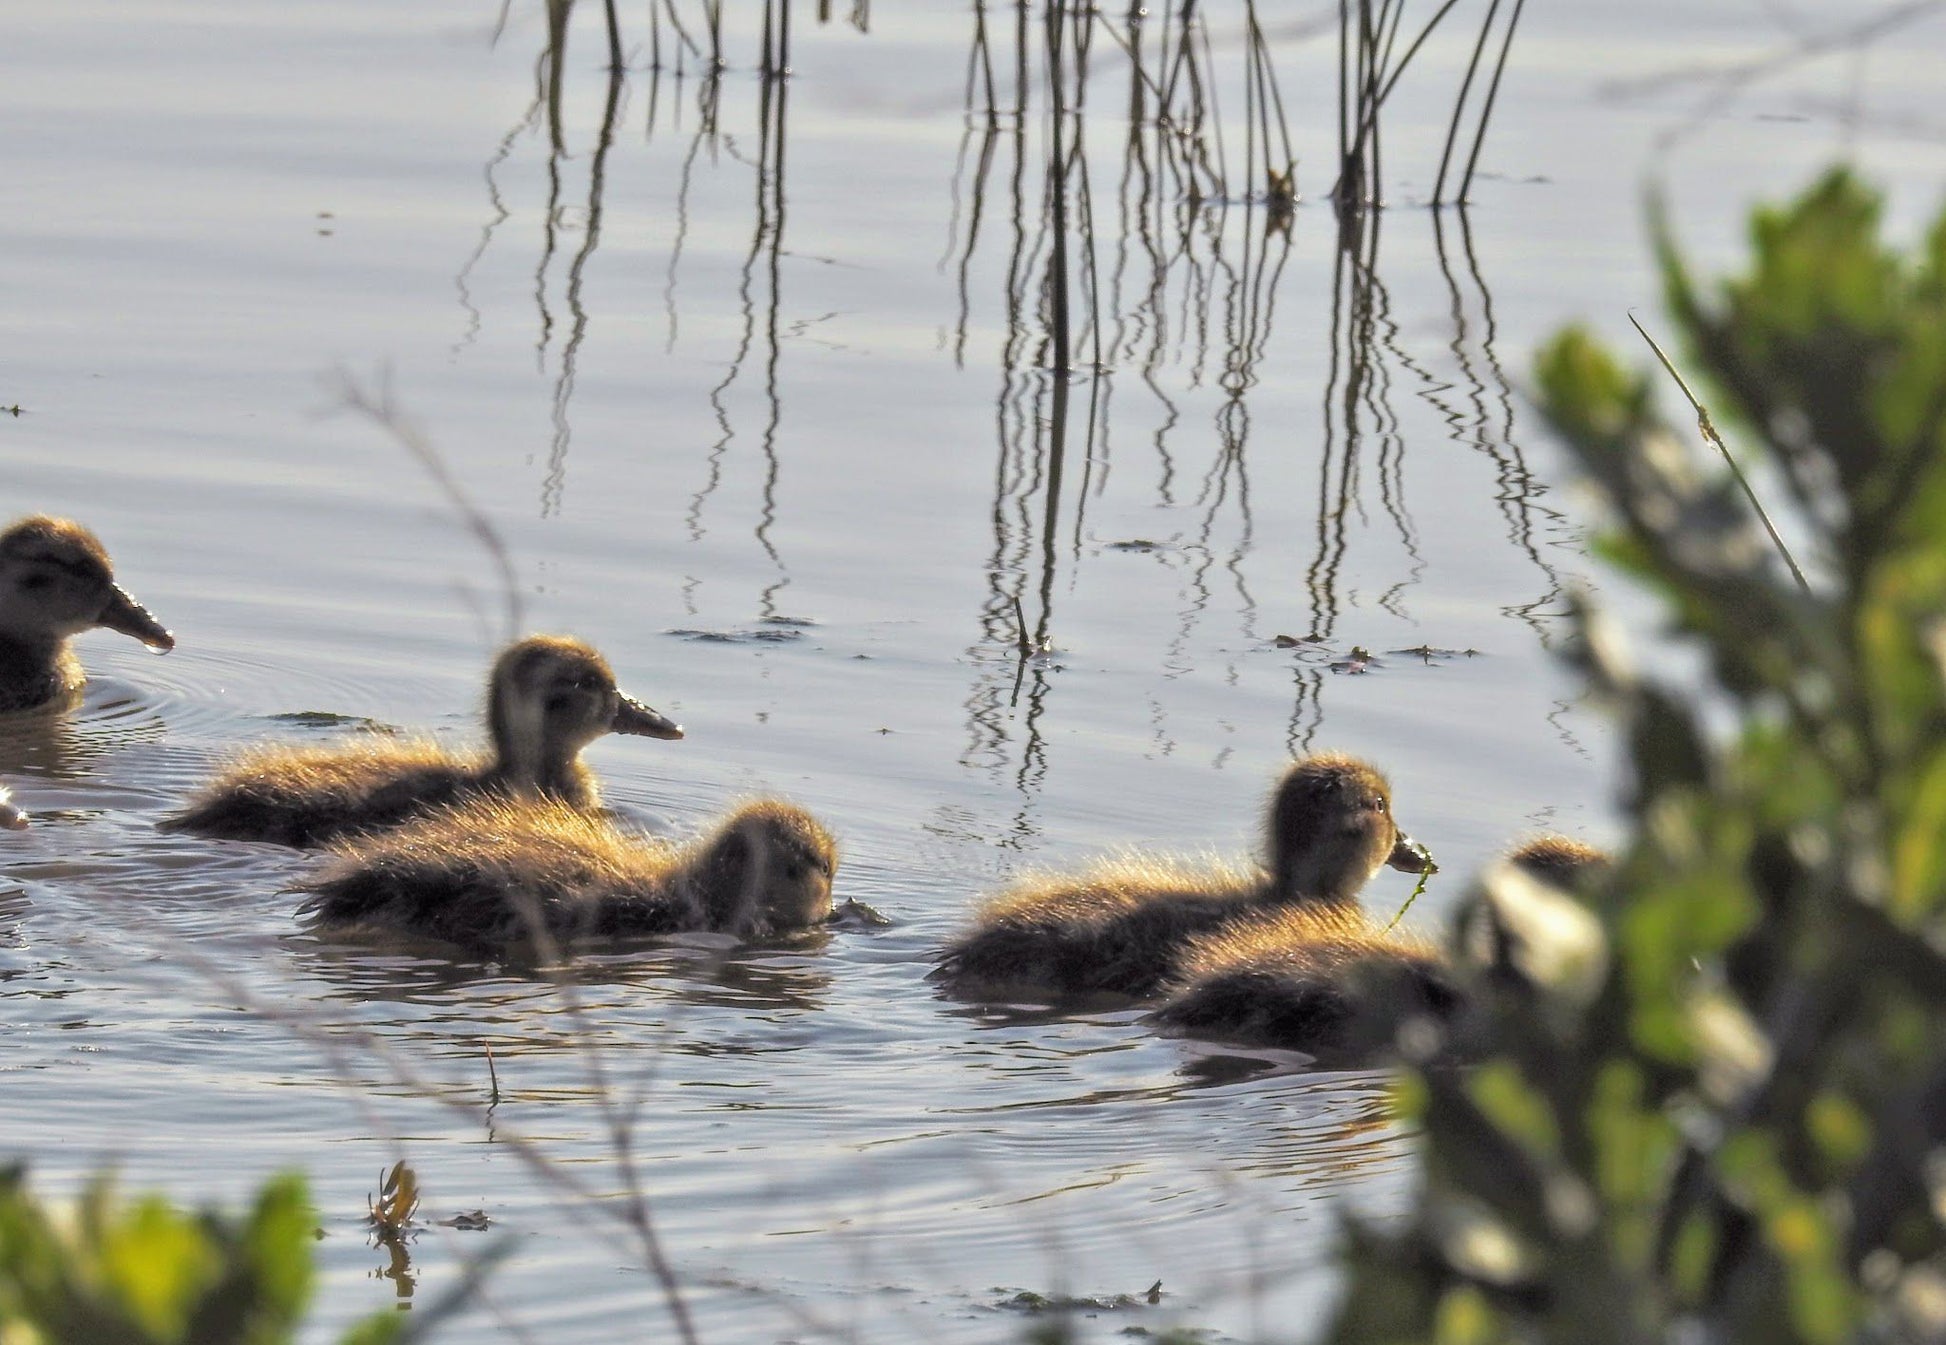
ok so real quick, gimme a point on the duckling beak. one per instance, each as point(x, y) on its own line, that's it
point(129, 617)
point(1408, 856)
point(631, 716)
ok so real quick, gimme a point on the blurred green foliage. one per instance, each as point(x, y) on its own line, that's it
point(109, 1271)
point(1731, 1131)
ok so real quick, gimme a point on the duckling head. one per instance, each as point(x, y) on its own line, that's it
point(1560, 861)
point(1331, 829)
point(55, 581)
point(11, 818)
point(767, 869)
point(549, 697)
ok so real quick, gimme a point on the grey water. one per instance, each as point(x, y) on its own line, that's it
point(755, 382)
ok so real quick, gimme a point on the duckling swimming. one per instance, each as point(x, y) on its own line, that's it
point(496, 875)
point(1559, 860)
point(1330, 983)
point(11, 818)
point(1121, 926)
point(55, 582)
point(547, 698)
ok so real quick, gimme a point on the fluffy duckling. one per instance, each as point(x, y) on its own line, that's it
point(1323, 981)
point(11, 818)
point(495, 875)
point(1327, 982)
point(547, 698)
point(55, 582)
point(1120, 927)
point(1559, 860)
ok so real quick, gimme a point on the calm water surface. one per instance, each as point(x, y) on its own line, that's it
point(758, 394)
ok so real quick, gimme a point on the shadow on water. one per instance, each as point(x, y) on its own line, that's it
point(1152, 258)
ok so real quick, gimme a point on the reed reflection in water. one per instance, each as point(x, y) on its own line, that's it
point(1178, 286)
point(1120, 238)
point(1125, 400)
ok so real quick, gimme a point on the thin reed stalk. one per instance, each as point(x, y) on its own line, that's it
point(1708, 428)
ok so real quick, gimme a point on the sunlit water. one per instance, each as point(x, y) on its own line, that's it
point(770, 420)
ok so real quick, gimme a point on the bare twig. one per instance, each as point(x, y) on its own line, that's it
point(1708, 429)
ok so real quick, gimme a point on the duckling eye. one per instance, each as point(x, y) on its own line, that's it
point(29, 583)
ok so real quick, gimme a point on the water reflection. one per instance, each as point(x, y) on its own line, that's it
point(1189, 283)
point(697, 971)
point(69, 742)
point(761, 265)
point(1130, 283)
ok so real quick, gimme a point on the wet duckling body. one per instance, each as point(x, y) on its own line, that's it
point(11, 817)
point(548, 697)
point(1330, 983)
point(1120, 927)
point(55, 582)
point(1323, 981)
point(497, 875)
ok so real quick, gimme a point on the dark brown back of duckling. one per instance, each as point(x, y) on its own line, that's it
point(498, 875)
point(1116, 928)
point(310, 797)
point(55, 582)
point(1314, 979)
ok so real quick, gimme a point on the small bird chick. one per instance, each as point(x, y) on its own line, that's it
point(1329, 983)
point(547, 698)
point(55, 582)
point(1559, 860)
point(496, 875)
point(1119, 927)
point(11, 817)
point(1324, 981)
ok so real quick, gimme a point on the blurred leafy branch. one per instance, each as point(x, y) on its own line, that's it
point(1726, 1124)
point(114, 1271)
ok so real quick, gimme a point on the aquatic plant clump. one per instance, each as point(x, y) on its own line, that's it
point(1726, 1125)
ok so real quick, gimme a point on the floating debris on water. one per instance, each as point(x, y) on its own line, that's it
point(1430, 653)
point(854, 914)
point(781, 633)
point(1026, 1300)
point(391, 1214)
point(1361, 660)
point(326, 719)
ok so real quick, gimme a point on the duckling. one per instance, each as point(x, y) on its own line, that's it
point(547, 698)
point(496, 875)
point(55, 582)
point(11, 818)
point(1327, 981)
point(1120, 927)
point(1559, 860)
point(1520, 936)
point(1324, 981)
